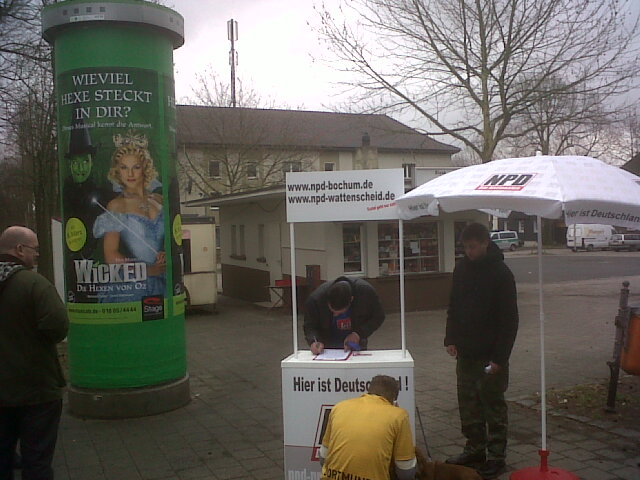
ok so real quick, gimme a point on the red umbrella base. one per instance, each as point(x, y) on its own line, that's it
point(535, 473)
point(543, 472)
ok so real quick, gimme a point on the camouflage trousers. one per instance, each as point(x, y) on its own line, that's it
point(483, 409)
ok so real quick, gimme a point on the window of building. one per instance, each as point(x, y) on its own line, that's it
point(218, 250)
point(237, 242)
point(252, 170)
point(214, 168)
point(521, 226)
point(292, 167)
point(261, 257)
point(420, 248)
point(409, 169)
point(329, 166)
point(409, 176)
point(352, 247)
point(241, 250)
point(234, 241)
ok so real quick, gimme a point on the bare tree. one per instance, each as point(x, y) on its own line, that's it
point(244, 150)
point(27, 115)
point(470, 67)
point(20, 42)
point(630, 121)
point(560, 122)
point(211, 91)
point(32, 133)
point(15, 196)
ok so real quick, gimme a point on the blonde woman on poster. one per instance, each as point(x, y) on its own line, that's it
point(132, 227)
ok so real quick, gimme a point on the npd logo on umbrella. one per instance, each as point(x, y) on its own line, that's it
point(507, 181)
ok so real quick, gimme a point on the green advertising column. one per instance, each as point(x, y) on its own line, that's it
point(120, 202)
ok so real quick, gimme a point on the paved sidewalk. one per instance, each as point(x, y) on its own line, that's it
point(233, 426)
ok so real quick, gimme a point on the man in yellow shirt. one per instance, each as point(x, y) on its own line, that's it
point(365, 434)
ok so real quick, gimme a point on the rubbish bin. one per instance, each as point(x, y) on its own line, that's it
point(630, 359)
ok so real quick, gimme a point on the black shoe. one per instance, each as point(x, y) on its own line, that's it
point(467, 459)
point(491, 469)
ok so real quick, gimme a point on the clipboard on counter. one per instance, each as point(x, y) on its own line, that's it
point(333, 354)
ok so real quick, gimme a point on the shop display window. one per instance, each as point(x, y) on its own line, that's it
point(420, 248)
point(352, 247)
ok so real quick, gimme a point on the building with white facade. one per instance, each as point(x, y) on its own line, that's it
point(242, 156)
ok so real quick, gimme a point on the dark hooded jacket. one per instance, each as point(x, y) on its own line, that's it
point(482, 319)
point(33, 320)
point(366, 311)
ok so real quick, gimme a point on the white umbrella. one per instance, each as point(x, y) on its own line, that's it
point(586, 190)
point(583, 189)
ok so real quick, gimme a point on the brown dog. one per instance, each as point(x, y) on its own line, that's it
point(426, 470)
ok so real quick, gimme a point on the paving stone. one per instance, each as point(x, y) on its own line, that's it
point(627, 473)
point(233, 427)
point(594, 474)
point(252, 464)
point(153, 473)
point(228, 473)
point(86, 474)
point(195, 473)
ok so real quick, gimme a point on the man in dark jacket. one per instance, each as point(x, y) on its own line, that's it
point(33, 320)
point(482, 323)
point(342, 314)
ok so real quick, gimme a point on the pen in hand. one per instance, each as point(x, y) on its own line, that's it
point(316, 346)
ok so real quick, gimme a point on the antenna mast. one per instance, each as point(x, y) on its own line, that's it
point(232, 35)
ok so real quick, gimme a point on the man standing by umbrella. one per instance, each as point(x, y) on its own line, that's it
point(482, 323)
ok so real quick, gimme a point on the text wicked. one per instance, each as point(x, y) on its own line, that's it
point(89, 272)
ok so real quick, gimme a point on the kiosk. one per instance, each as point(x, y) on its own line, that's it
point(311, 387)
point(116, 126)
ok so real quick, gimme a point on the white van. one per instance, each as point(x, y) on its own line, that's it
point(589, 236)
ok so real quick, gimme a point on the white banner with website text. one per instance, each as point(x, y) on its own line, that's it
point(343, 195)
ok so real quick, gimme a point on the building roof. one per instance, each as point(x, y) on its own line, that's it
point(633, 165)
point(200, 125)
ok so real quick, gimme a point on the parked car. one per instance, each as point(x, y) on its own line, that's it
point(625, 241)
point(506, 240)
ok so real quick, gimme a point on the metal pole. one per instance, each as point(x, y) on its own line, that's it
point(543, 380)
point(232, 34)
point(402, 321)
point(621, 323)
point(294, 289)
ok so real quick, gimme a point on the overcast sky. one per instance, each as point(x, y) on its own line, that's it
point(275, 48)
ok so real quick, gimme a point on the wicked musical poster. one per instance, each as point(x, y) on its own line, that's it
point(122, 250)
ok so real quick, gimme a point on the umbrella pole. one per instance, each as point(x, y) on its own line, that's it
point(543, 471)
point(543, 380)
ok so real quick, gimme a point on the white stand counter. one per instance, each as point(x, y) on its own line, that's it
point(310, 388)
